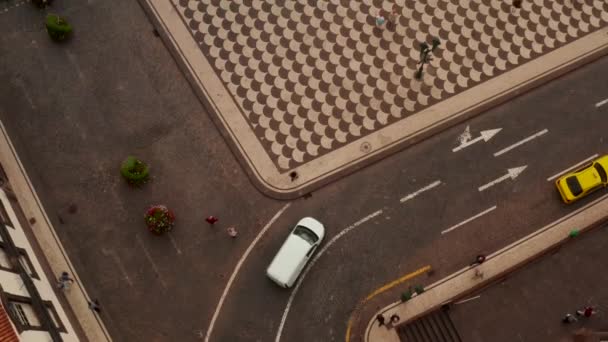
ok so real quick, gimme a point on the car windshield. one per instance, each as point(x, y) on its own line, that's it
point(574, 185)
point(601, 171)
point(306, 234)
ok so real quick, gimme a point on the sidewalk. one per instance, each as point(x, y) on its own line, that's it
point(49, 242)
point(315, 90)
point(497, 265)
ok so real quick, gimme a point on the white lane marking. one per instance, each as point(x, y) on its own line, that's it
point(174, 243)
point(571, 167)
point(601, 103)
point(311, 264)
point(468, 220)
point(151, 261)
point(416, 193)
point(465, 136)
point(238, 267)
point(467, 300)
point(511, 173)
point(533, 136)
point(484, 135)
point(121, 267)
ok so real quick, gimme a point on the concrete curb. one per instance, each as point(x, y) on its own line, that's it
point(380, 144)
point(90, 323)
point(497, 265)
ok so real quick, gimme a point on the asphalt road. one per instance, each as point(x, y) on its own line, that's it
point(407, 236)
point(75, 111)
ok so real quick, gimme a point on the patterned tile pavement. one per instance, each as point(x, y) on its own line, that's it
point(312, 76)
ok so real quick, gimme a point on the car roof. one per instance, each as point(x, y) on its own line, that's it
point(588, 178)
point(289, 257)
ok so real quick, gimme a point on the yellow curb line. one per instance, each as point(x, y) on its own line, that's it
point(398, 281)
point(384, 288)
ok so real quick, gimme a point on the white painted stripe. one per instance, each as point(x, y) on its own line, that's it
point(314, 260)
point(151, 261)
point(467, 300)
point(571, 167)
point(468, 220)
point(416, 193)
point(238, 267)
point(174, 243)
point(120, 265)
point(601, 103)
point(521, 142)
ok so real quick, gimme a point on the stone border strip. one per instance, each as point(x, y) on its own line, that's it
point(497, 265)
point(379, 144)
point(92, 326)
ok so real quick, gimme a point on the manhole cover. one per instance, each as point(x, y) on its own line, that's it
point(366, 147)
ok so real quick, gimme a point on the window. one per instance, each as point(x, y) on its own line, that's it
point(4, 218)
point(601, 171)
point(24, 314)
point(26, 263)
point(306, 234)
point(5, 262)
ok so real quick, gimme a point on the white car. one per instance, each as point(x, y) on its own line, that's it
point(295, 252)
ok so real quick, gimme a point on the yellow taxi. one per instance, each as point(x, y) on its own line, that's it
point(579, 183)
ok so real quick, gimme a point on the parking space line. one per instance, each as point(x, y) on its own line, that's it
point(238, 267)
point(416, 193)
point(312, 263)
point(151, 261)
point(468, 220)
point(572, 167)
point(601, 103)
point(119, 263)
point(521, 142)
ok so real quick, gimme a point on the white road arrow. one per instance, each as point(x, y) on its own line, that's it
point(485, 136)
point(511, 173)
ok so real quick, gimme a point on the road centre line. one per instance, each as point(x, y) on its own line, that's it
point(416, 193)
point(572, 167)
point(238, 267)
point(601, 103)
point(312, 263)
point(468, 220)
point(521, 142)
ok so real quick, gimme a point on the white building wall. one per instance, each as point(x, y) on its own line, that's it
point(11, 282)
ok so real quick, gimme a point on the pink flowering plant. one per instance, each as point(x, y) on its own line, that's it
point(159, 219)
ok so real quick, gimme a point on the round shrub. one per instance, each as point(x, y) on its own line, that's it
point(134, 171)
point(159, 219)
point(57, 27)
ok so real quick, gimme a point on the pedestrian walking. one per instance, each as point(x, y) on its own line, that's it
point(393, 17)
point(232, 232)
point(479, 259)
point(587, 311)
point(380, 319)
point(94, 305)
point(211, 219)
point(380, 20)
point(64, 281)
point(569, 319)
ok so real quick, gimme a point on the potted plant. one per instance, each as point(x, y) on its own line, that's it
point(57, 27)
point(159, 219)
point(134, 171)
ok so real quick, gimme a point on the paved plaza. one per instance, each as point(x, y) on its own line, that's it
point(316, 87)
